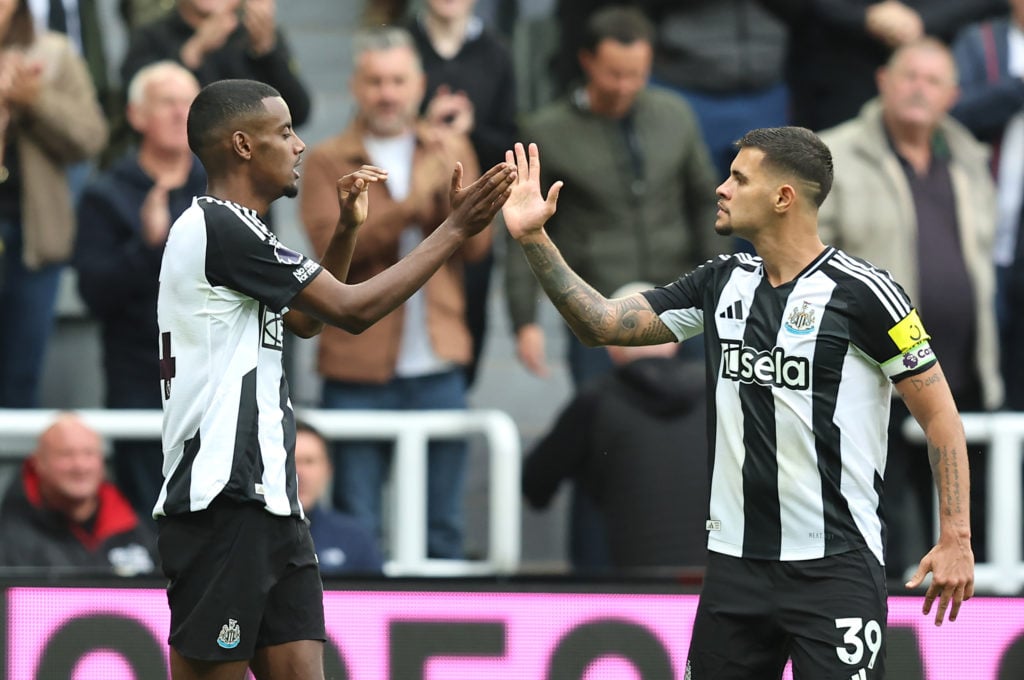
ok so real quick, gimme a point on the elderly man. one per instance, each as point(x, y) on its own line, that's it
point(414, 358)
point(61, 512)
point(913, 195)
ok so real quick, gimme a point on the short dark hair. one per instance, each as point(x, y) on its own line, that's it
point(303, 426)
point(220, 105)
point(798, 151)
point(622, 24)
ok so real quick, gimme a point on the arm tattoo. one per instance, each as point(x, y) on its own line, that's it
point(593, 318)
point(946, 471)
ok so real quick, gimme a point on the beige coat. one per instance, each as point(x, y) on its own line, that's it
point(64, 126)
point(870, 214)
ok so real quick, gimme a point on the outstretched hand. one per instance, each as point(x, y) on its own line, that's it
point(475, 206)
point(951, 563)
point(526, 210)
point(352, 196)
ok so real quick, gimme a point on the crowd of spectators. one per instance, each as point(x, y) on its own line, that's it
point(921, 101)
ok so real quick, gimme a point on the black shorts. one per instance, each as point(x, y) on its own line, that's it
point(240, 578)
point(829, 615)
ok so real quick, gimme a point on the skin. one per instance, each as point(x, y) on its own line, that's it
point(312, 467)
point(257, 163)
point(69, 461)
point(917, 89)
point(388, 86)
point(777, 214)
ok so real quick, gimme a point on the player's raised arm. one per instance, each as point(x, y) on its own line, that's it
point(353, 200)
point(951, 561)
point(356, 307)
point(594, 319)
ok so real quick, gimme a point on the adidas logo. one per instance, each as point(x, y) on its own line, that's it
point(733, 311)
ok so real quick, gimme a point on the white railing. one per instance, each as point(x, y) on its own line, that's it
point(1003, 573)
point(410, 430)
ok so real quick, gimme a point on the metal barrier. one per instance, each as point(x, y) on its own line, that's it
point(410, 430)
point(1003, 573)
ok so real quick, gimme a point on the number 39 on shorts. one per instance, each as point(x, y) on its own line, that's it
point(859, 639)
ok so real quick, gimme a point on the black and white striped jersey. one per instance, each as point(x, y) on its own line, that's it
point(228, 425)
point(801, 376)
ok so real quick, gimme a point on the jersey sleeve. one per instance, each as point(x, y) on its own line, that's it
point(245, 256)
point(679, 305)
point(889, 330)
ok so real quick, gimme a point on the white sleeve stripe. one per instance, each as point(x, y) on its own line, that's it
point(884, 279)
point(884, 290)
point(254, 224)
point(894, 313)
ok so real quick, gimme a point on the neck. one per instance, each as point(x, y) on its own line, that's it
point(786, 252)
point(446, 35)
point(165, 166)
point(913, 142)
point(238, 190)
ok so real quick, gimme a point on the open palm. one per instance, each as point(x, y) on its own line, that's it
point(526, 210)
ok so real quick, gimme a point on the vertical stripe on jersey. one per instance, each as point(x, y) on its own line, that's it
point(179, 484)
point(726, 448)
point(288, 436)
point(247, 458)
point(829, 359)
point(762, 525)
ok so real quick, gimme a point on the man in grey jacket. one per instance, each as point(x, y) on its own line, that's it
point(913, 195)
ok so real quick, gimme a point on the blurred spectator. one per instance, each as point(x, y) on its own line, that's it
point(726, 58)
point(634, 441)
point(912, 195)
point(60, 512)
point(639, 195)
point(343, 545)
point(836, 46)
point(414, 357)
point(80, 21)
point(639, 189)
point(471, 90)
point(990, 59)
point(219, 39)
point(124, 216)
point(49, 119)
point(138, 12)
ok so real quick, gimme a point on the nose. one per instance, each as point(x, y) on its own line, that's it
point(300, 145)
point(722, 190)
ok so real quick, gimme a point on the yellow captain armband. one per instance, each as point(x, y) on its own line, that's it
point(909, 332)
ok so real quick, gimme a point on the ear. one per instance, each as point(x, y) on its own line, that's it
point(241, 144)
point(785, 198)
point(586, 59)
point(136, 118)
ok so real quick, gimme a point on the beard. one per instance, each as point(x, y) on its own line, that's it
point(290, 191)
point(723, 229)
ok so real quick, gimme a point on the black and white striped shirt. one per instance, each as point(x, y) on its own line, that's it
point(802, 380)
point(228, 425)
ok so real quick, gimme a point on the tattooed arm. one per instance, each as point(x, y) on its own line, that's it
point(594, 319)
point(951, 561)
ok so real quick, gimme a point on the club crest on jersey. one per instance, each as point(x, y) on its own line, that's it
point(801, 319)
point(286, 255)
point(230, 635)
point(770, 368)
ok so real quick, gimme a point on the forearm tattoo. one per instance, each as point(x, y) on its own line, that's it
point(945, 464)
point(591, 316)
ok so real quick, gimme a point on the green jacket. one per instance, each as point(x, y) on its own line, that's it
point(616, 224)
